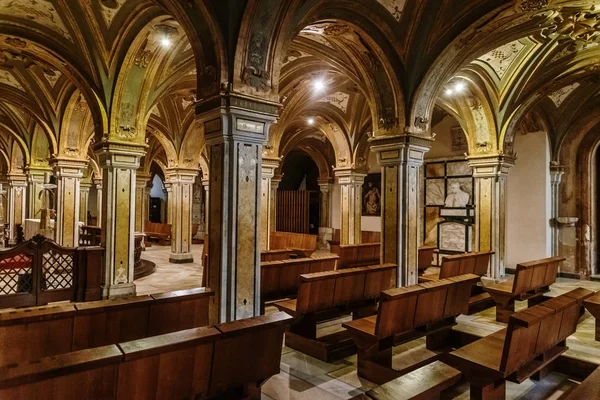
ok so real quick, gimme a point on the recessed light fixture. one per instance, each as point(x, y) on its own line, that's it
point(319, 85)
point(310, 121)
point(459, 87)
point(449, 92)
point(165, 41)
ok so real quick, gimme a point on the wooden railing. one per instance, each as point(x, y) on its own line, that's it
point(39, 271)
point(90, 235)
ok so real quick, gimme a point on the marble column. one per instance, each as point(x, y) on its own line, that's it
point(119, 163)
point(325, 229)
point(84, 201)
point(275, 181)
point(181, 196)
point(17, 187)
point(556, 174)
point(98, 184)
point(490, 175)
point(68, 175)
point(35, 180)
point(142, 193)
point(401, 158)
point(206, 188)
point(235, 132)
point(351, 182)
point(267, 205)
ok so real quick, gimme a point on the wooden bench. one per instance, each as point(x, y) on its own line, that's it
point(275, 255)
point(358, 255)
point(190, 364)
point(531, 281)
point(404, 314)
point(35, 332)
point(280, 279)
point(588, 389)
point(533, 339)
point(326, 295)
point(425, 258)
point(301, 243)
point(365, 237)
point(422, 384)
point(592, 304)
point(156, 230)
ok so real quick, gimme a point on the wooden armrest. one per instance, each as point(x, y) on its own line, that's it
point(500, 288)
point(287, 306)
point(363, 326)
point(484, 354)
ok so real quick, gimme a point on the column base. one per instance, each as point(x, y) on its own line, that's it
point(119, 290)
point(325, 234)
point(181, 258)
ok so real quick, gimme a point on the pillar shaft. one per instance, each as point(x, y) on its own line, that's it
point(401, 159)
point(325, 230)
point(17, 187)
point(556, 174)
point(84, 201)
point(490, 175)
point(142, 193)
point(68, 196)
point(35, 180)
point(235, 133)
point(351, 183)
point(181, 196)
point(267, 205)
point(98, 183)
point(206, 188)
point(119, 163)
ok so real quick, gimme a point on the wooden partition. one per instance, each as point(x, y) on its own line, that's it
point(293, 210)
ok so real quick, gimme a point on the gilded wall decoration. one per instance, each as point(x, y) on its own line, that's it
point(109, 9)
point(51, 75)
point(561, 95)
point(574, 25)
point(395, 7)
point(531, 5)
point(41, 12)
point(337, 99)
point(502, 57)
point(7, 78)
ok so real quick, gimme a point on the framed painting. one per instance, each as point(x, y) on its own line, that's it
point(371, 196)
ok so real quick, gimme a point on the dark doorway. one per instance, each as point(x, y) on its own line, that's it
point(155, 203)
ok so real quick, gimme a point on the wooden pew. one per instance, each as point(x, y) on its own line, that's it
point(49, 330)
point(275, 255)
point(425, 257)
point(156, 230)
point(301, 243)
point(404, 314)
point(593, 306)
point(533, 339)
point(588, 389)
point(365, 237)
point(531, 281)
point(331, 294)
point(195, 363)
point(358, 255)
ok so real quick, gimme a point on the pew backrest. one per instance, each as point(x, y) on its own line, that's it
point(467, 263)
point(536, 274)
point(358, 254)
point(425, 257)
point(292, 240)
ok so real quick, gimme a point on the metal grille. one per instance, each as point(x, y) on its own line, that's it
point(57, 270)
point(16, 274)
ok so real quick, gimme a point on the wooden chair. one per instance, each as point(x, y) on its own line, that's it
point(588, 389)
point(531, 281)
point(404, 314)
point(425, 257)
point(593, 306)
point(533, 339)
point(325, 295)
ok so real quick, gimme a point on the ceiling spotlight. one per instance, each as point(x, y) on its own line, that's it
point(449, 92)
point(319, 85)
point(459, 87)
point(165, 41)
point(311, 121)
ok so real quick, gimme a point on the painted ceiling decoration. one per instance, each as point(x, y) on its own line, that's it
point(109, 9)
point(500, 59)
point(395, 7)
point(561, 95)
point(41, 12)
point(9, 79)
point(337, 99)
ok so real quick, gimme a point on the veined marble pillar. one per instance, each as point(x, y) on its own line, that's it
point(351, 183)
point(325, 230)
point(490, 175)
point(68, 175)
point(401, 159)
point(119, 163)
point(142, 200)
point(35, 180)
point(235, 133)
point(181, 195)
point(268, 203)
point(84, 201)
point(17, 186)
point(556, 174)
point(98, 183)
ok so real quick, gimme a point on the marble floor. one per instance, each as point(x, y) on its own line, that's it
point(303, 377)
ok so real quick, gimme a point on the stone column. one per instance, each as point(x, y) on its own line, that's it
point(401, 159)
point(275, 181)
point(119, 163)
point(17, 186)
point(181, 195)
point(235, 132)
point(142, 191)
point(35, 180)
point(84, 201)
point(325, 229)
point(206, 188)
point(68, 175)
point(556, 174)
point(167, 192)
point(98, 183)
point(269, 165)
point(490, 175)
point(351, 182)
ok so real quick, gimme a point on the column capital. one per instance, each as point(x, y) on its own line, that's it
point(16, 179)
point(349, 176)
point(269, 165)
point(68, 168)
point(556, 173)
point(393, 150)
point(180, 175)
point(37, 173)
point(120, 155)
point(98, 183)
point(325, 185)
point(205, 183)
point(142, 180)
point(491, 166)
point(85, 186)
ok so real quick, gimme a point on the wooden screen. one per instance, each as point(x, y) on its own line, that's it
point(293, 211)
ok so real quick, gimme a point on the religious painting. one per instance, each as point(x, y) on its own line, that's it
point(459, 140)
point(371, 196)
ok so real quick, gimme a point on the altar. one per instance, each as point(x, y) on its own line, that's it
point(31, 227)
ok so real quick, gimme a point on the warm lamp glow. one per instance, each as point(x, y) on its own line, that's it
point(459, 87)
point(165, 42)
point(311, 121)
point(319, 85)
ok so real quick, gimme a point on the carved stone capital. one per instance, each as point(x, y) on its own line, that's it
point(491, 166)
point(68, 168)
point(556, 173)
point(395, 150)
point(349, 176)
point(180, 175)
point(120, 155)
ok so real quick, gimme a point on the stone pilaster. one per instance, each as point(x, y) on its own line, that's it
point(325, 229)
point(17, 188)
point(235, 130)
point(181, 195)
point(556, 174)
point(206, 188)
point(35, 180)
point(401, 159)
point(98, 184)
point(275, 181)
point(267, 205)
point(491, 175)
point(84, 201)
point(68, 175)
point(142, 200)
point(119, 163)
point(351, 182)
